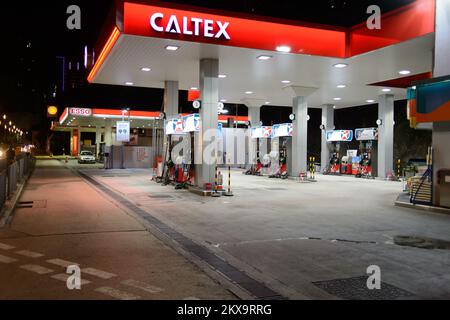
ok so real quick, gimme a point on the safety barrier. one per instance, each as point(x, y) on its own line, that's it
point(14, 174)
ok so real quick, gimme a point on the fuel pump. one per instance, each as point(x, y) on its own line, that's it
point(281, 148)
point(339, 160)
point(368, 141)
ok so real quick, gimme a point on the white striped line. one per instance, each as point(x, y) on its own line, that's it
point(36, 269)
point(98, 273)
point(62, 263)
point(4, 246)
point(5, 259)
point(117, 294)
point(142, 286)
point(65, 276)
point(30, 254)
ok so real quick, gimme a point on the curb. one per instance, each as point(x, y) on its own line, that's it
point(10, 205)
point(429, 209)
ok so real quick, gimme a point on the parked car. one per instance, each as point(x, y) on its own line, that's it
point(86, 157)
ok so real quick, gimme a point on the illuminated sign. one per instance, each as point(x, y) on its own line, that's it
point(83, 112)
point(366, 134)
point(282, 130)
point(174, 126)
point(190, 26)
point(261, 132)
point(339, 135)
point(191, 123)
point(123, 131)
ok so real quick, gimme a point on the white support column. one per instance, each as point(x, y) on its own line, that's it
point(108, 133)
point(206, 141)
point(254, 117)
point(171, 99)
point(299, 156)
point(98, 139)
point(386, 135)
point(300, 137)
point(79, 139)
point(328, 124)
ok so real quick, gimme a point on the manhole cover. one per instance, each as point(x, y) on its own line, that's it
point(356, 289)
point(421, 242)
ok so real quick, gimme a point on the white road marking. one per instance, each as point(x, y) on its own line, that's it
point(62, 263)
point(98, 273)
point(142, 285)
point(5, 259)
point(4, 246)
point(117, 294)
point(36, 269)
point(65, 276)
point(30, 254)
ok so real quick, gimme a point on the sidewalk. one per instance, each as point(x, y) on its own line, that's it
point(62, 220)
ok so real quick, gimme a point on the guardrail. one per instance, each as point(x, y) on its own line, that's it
point(14, 174)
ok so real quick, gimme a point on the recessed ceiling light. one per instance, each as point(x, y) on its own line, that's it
point(340, 65)
point(223, 100)
point(146, 69)
point(248, 92)
point(267, 102)
point(404, 72)
point(284, 49)
point(370, 101)
point(285, 81)
point(341, 86)
point(194, 88)
point(337, 99)
point(129, 83)
point(264, 57)
point(222, 76)
point(334, 107)
point(172, 48)
point(386, 90)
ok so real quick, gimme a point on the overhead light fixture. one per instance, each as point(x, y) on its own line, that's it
point(223, 100)
point(146, 69)
point(284, 49)
point(340, 65)
point(285, 81)
point(264, 57)
point(248, 92)
point(337, 99)
point(341, 86)
point(370, 101)
point(129, 83)
point(172, 48)
point(379, 122)
point(334, 107)
point(267, 102)
point(404, 72)
point(194, 88)
point(386, 90)
point(292, 117)
point(222, 76)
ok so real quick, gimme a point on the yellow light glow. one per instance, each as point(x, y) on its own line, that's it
point(52, 110)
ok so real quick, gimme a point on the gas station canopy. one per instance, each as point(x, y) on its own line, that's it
point(266, 59)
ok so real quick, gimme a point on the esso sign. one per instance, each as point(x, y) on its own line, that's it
point(192, 26)
point(83, 112)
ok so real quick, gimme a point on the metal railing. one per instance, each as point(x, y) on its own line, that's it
point(14, 174)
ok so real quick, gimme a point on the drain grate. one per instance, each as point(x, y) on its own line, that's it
point(32, 204)
point(160, 196)
point(356, 289)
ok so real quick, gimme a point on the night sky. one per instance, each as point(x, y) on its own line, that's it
point(34, 35)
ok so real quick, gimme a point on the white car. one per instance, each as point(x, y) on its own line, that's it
point(86, 157)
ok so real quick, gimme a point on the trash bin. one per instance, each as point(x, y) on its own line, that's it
point(444, 187)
